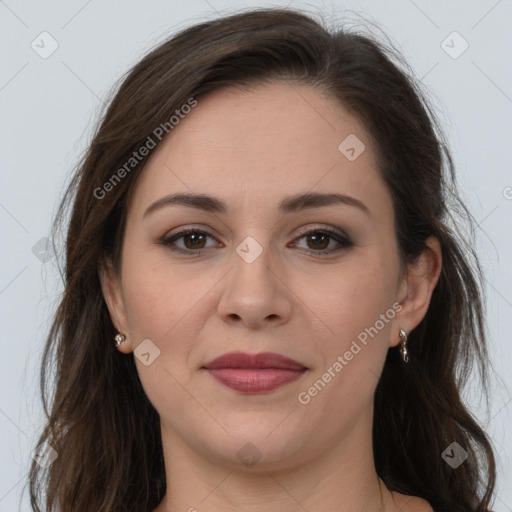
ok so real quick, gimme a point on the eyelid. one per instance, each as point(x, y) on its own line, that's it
point(183, 230)
point(301, 231)
point(321, 227)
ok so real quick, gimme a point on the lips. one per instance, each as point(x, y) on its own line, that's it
point(254, 373)
point(254, 361)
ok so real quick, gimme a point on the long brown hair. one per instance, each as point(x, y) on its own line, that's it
point(99, 420)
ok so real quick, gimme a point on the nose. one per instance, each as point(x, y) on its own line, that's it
point(255, 293)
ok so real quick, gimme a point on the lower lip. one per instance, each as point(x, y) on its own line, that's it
point(255, 380)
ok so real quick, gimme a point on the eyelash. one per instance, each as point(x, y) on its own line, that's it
point(342, 240)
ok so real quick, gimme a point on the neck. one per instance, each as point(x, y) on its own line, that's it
point(341, 479)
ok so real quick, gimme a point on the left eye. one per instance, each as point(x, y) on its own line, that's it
point(324, 238)
point(319, 238)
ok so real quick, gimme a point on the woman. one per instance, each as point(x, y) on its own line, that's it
point(265, 307)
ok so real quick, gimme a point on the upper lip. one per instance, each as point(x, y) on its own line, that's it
point(257, 361)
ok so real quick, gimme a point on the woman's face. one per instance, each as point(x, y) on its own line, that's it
point(251, 279)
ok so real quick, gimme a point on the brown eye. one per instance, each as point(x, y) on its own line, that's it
point(318, 241)
point(193, 240)
point(196, 240)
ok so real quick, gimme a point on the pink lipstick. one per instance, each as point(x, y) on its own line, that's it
point(254, 373)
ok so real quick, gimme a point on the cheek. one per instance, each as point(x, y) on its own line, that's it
point(168, 304)
point(356, 313)
point(149, 305)
point(351, 298)
point(160, 306)
point(157, 296)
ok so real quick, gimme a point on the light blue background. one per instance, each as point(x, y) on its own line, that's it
point(48, 107)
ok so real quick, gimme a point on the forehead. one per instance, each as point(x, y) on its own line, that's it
point(254, 146)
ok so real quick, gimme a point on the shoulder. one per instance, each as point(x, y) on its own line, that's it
point(411, 503)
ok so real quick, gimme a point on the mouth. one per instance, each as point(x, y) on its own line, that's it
point(254, 373)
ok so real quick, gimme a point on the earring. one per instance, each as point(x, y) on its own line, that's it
point(119, 339)
point(403, 348)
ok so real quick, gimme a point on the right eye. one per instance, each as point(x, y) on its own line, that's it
point(192, 238)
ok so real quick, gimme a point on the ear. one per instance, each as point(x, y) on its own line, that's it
point(112, 293)
point(417, 287)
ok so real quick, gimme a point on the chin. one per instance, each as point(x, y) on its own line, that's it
point(264, 449)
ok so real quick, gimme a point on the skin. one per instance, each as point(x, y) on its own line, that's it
point(252, 148)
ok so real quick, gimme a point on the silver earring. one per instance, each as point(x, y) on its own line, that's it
point(403, 348)
point(119, 339)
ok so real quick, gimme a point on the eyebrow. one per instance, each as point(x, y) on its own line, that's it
point(288, 205)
